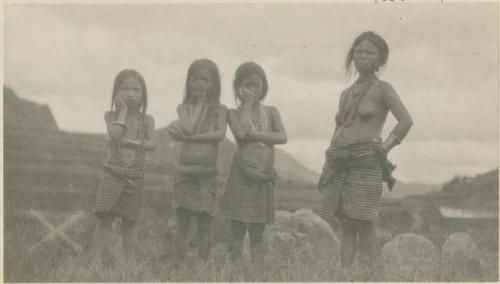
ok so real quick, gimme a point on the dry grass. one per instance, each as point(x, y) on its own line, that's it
point(54, 261)
point(57, 262)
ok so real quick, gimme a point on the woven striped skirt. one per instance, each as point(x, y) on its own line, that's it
point(354, 180)
point(196, 192)
point(246, 199)
point(119, 196)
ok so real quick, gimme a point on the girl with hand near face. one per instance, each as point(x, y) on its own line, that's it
point(131, 133)
point(249, 197)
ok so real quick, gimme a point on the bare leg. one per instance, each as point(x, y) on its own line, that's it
point(256, 233)
point(349, 241)
point(102, 240)
point(183, 224)
point(129, 236)
point(238, 231)
point(369, 248)
point(204, 222)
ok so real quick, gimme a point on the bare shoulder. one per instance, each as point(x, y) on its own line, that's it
point(386, 86)
point(386, 90)
point(344, 93)
point(272, 110)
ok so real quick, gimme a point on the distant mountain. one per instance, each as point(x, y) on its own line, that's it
point(402, 190)
point(46, 157)
point(25, 115)
point(478, 192)
point(463, 204)
point(474, 195)
point(37, 152)
point(292, 169)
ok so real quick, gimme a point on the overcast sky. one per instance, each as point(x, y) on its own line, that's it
point(443, 62)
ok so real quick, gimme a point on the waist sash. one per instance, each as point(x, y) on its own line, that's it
point(358, 154)
point(123, 171)
point(253, 173)
point(195, 171)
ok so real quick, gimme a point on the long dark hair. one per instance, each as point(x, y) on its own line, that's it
point(124, 74)
point(247, 69)
point(376, 40)
point(214, 73)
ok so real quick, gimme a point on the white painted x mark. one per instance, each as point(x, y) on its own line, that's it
point(59, 231)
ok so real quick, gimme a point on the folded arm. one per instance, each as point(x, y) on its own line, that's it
point(187, 121)
point(213, 136)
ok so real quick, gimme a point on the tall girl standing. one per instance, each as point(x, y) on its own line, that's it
point(200, 127)
point(356, 160)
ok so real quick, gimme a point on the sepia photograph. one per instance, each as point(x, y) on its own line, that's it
point(279, 141)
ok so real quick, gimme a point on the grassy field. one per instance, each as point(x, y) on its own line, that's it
point(54, 174)
point(55, 261)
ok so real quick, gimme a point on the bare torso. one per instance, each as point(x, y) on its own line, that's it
point(198, 154)
point(128, 154)
point(367, 122)
point(193, 153)
point(255, 153)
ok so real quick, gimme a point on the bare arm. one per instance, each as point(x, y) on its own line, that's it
point(242, 124)
point(398, 109)
point(337, 123)
point(150, 138)
point(176, 132)
point(116, 127)
point(233, 120)
point(188, 122)
point(277, 136)
point(213, 136)
point(337, 116)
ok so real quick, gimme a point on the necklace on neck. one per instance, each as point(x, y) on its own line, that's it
point(261, 121)
point(348, 112)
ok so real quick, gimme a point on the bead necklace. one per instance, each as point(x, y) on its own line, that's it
point(261, 123)
point(351, 111)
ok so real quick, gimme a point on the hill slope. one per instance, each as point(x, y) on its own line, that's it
point(37, 152)
point(479, 192)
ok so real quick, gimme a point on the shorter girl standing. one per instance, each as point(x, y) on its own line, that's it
point(131, 132)
point(200, 128)
point(249, 197)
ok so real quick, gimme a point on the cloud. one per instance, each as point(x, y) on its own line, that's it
point(311, 65)
point(440, 160)
point(445, 70)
